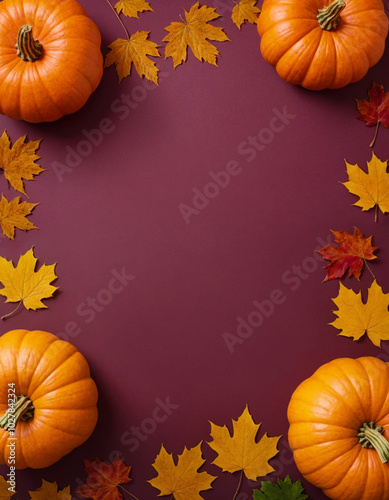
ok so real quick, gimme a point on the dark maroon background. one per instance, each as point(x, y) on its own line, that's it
point(161, 336)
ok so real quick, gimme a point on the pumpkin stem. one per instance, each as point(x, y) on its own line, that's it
point(370, 436)
point(329, 16)
point(21, 408)
point(28, 47)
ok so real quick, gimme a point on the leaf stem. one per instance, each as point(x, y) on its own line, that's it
point(123, 488)
point(239, 485)
point(119, 19)
point(368, 267)
point(375, 135)
point(12, 312)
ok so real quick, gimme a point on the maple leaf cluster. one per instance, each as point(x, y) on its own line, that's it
point(238, 450)
point(354, 318)
point(47, 491)
point(18, 163)
point(194, 32)
point(21, 283)
point(372, 187)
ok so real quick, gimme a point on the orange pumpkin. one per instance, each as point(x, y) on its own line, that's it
point(50, 58)
point(339, 428)
point(47, 399)
point(322, 43)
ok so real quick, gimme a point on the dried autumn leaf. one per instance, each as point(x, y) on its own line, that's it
point(18, 161)
point(372, 187)
point(245, 10)
point(25, 285)
point(50, 491)
point(13, 214)
point(131, 8)
point(181, 480)
point(282, 490)
point(356, 318)
point(376, 110)
point(353, 251)
point(103, 479)
point(194, 32)
point(241, 452)
point(5, 493)
point(135, 51)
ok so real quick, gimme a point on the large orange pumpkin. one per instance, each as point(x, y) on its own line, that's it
point(47, 399)
point(50, 58)
point(339, 429)
point(322, 43)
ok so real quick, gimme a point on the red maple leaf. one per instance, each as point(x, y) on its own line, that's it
point(103, 479)
point(377, 110)
point(352, 252)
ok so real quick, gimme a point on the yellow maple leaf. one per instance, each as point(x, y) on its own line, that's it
point(245, 10)
point(131, 8)
point(13, 214)
point(241, 452)
point(22, 284)
point(134, 50)
point(50, 491)
point(356, 318)
point(372, 187)
point(181, 480)
point(18, 161)
point(5, 493)
point(194, 32)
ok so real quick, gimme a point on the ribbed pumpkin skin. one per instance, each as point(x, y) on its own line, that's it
point(56, 377)
point(305, 54)
point(325, 413)
point(69, 69)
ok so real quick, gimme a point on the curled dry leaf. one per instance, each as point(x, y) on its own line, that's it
point(245, 10)
point(135, 50)
point(354, 318)
point(181, 480)
point(18, 161)
point(50, 491)
point(13, 214)
point(194, 33)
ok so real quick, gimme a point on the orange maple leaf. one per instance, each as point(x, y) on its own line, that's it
point(13, 214)
point(5, 492)
point(355, 318)
point(194, 32)
point(181, 480)
point(50, 490)
point(241, 451)
point(134, 51)
point(352, 252)
point(18, 161)
point(103, 479)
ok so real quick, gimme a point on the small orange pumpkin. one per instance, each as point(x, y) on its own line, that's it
point(50, 58)
point(339, 428)
point(322, 43)
point(47, 399)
